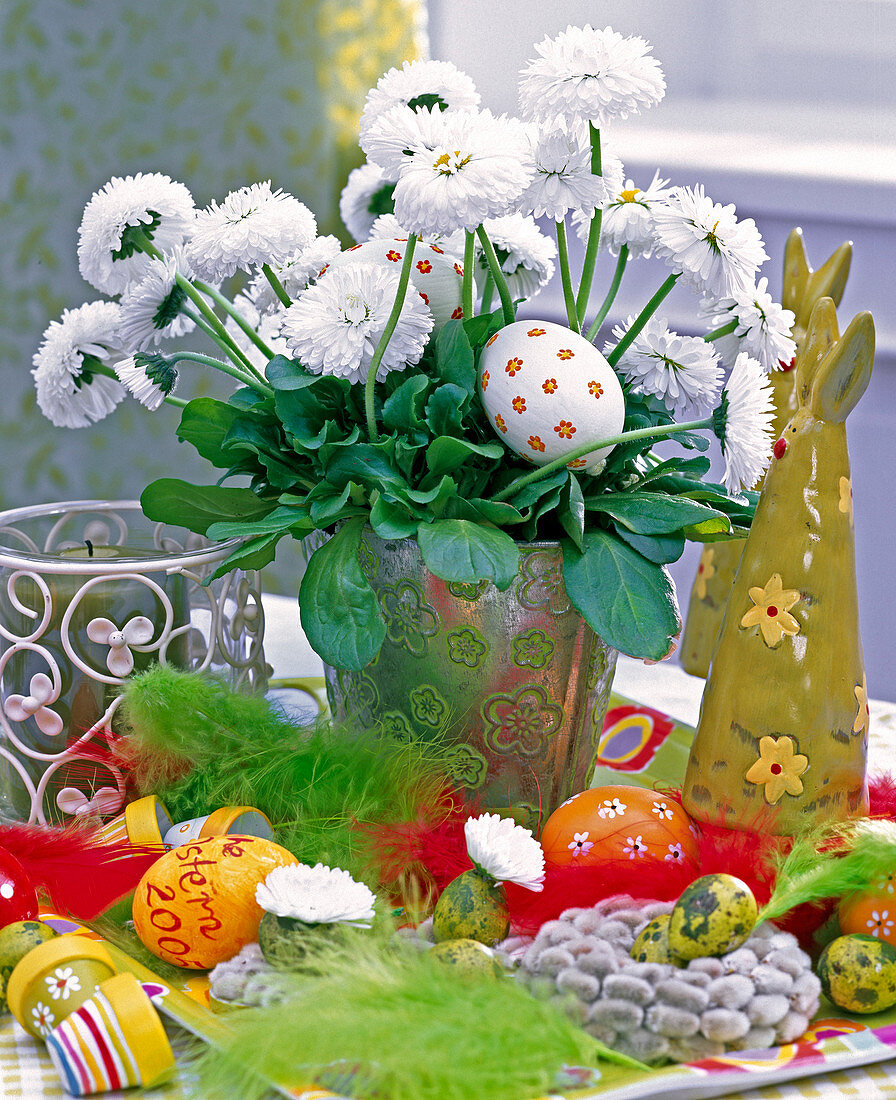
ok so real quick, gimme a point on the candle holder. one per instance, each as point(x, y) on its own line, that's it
point(91, 591)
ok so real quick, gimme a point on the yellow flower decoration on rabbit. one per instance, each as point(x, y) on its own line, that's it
point(771, 609)
point(705, 570)
point(778, 768)
point(861, 692)
point(845, 504)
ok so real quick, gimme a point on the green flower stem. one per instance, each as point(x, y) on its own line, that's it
point(227, 368)
point(369, 384)
point(563, 256)
point(593, 232)
point(488, 290)
point(469, 262)
point(654, 432)
point(497, 274)
point(206, 328)
point(611, 294)
point(224, 340)
point(233, 312)
point(723, 331)
point(641, 320)
point(276, 286)
point(139, 239)
point(177, 402)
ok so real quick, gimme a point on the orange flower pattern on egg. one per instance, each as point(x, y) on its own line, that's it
point(873, 913)
point(618, 822)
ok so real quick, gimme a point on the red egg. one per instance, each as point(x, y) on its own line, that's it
point(618, 822)
point(18, 898)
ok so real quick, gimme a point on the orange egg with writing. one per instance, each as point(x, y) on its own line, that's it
point(618, 822)
point(196, 907)
point(872, 912)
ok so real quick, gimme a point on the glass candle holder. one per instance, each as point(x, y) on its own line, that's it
point(90, 592)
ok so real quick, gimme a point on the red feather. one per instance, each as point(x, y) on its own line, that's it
point(81, 875)
point(882, 796)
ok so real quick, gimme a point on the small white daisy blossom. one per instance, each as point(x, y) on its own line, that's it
point(267, 325)
point(295, 273)
point(588, 75)
point(316, 895)
point(159, 206)
point(251, 227)
point(715, 253)
point(431, 85)
point(743, 423)
point(628, 218)
point(70, 392)
point(526, 254)
point(151, 308)
point(386, 228)
point(334, 326)
point(505, 851)
point(367, 194)
point(763, 326)
point(682, 371)
point(563, 179)
point(149, 378)
point(455, 168)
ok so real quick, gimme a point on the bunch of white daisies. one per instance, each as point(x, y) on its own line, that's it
point(443, 171)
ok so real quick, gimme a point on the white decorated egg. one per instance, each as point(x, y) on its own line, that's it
point(437, 278)
point(547, 390)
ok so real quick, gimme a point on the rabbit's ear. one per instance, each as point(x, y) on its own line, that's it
point(843, 374)
point(828, 281)
point(796, 270)
point(822, 333)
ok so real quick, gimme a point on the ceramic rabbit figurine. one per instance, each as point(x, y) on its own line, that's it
point(784, 718)
point(719, 560)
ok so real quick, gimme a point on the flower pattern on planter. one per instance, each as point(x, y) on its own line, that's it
point(778, 768)
point(410, 621)
point(541, 582)
point(360, 692)
point(395, 724)
point(533, 649)
point(62, 983)
point(467, 590)
point(860, 725)
point(467, 647)
point(367, 559)
point(521, 722)
point(428, 706)
point(771, 611)
point(136, 631)
point(706, 570)
point(466, 766)
point(34, 705)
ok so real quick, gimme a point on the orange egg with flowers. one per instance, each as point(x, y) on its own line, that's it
point(872, 912)
point(619, 822)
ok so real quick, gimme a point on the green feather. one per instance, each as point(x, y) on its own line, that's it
point(408, 1028)
point(198, 745)
point(832, 862)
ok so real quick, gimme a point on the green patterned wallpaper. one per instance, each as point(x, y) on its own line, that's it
point(217, 94)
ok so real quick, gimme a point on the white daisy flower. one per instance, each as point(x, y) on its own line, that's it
point(386, 228)
point(588, 75)
point(505, 851)
point(455, 168)
point(267, 325)
point(159, 206)
point(427, 85)
point(743, 423)
point(563, 179)
point(316, 895)
point(526, 254)
point(682, 371)
point(334, 326)
point(628, 218)
point(763, 326)
point(73, 364)
point(151, 308)
point(702, 239)
point(295, 273)
point(251, 227)
point(149, 377)
point(367, 194)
